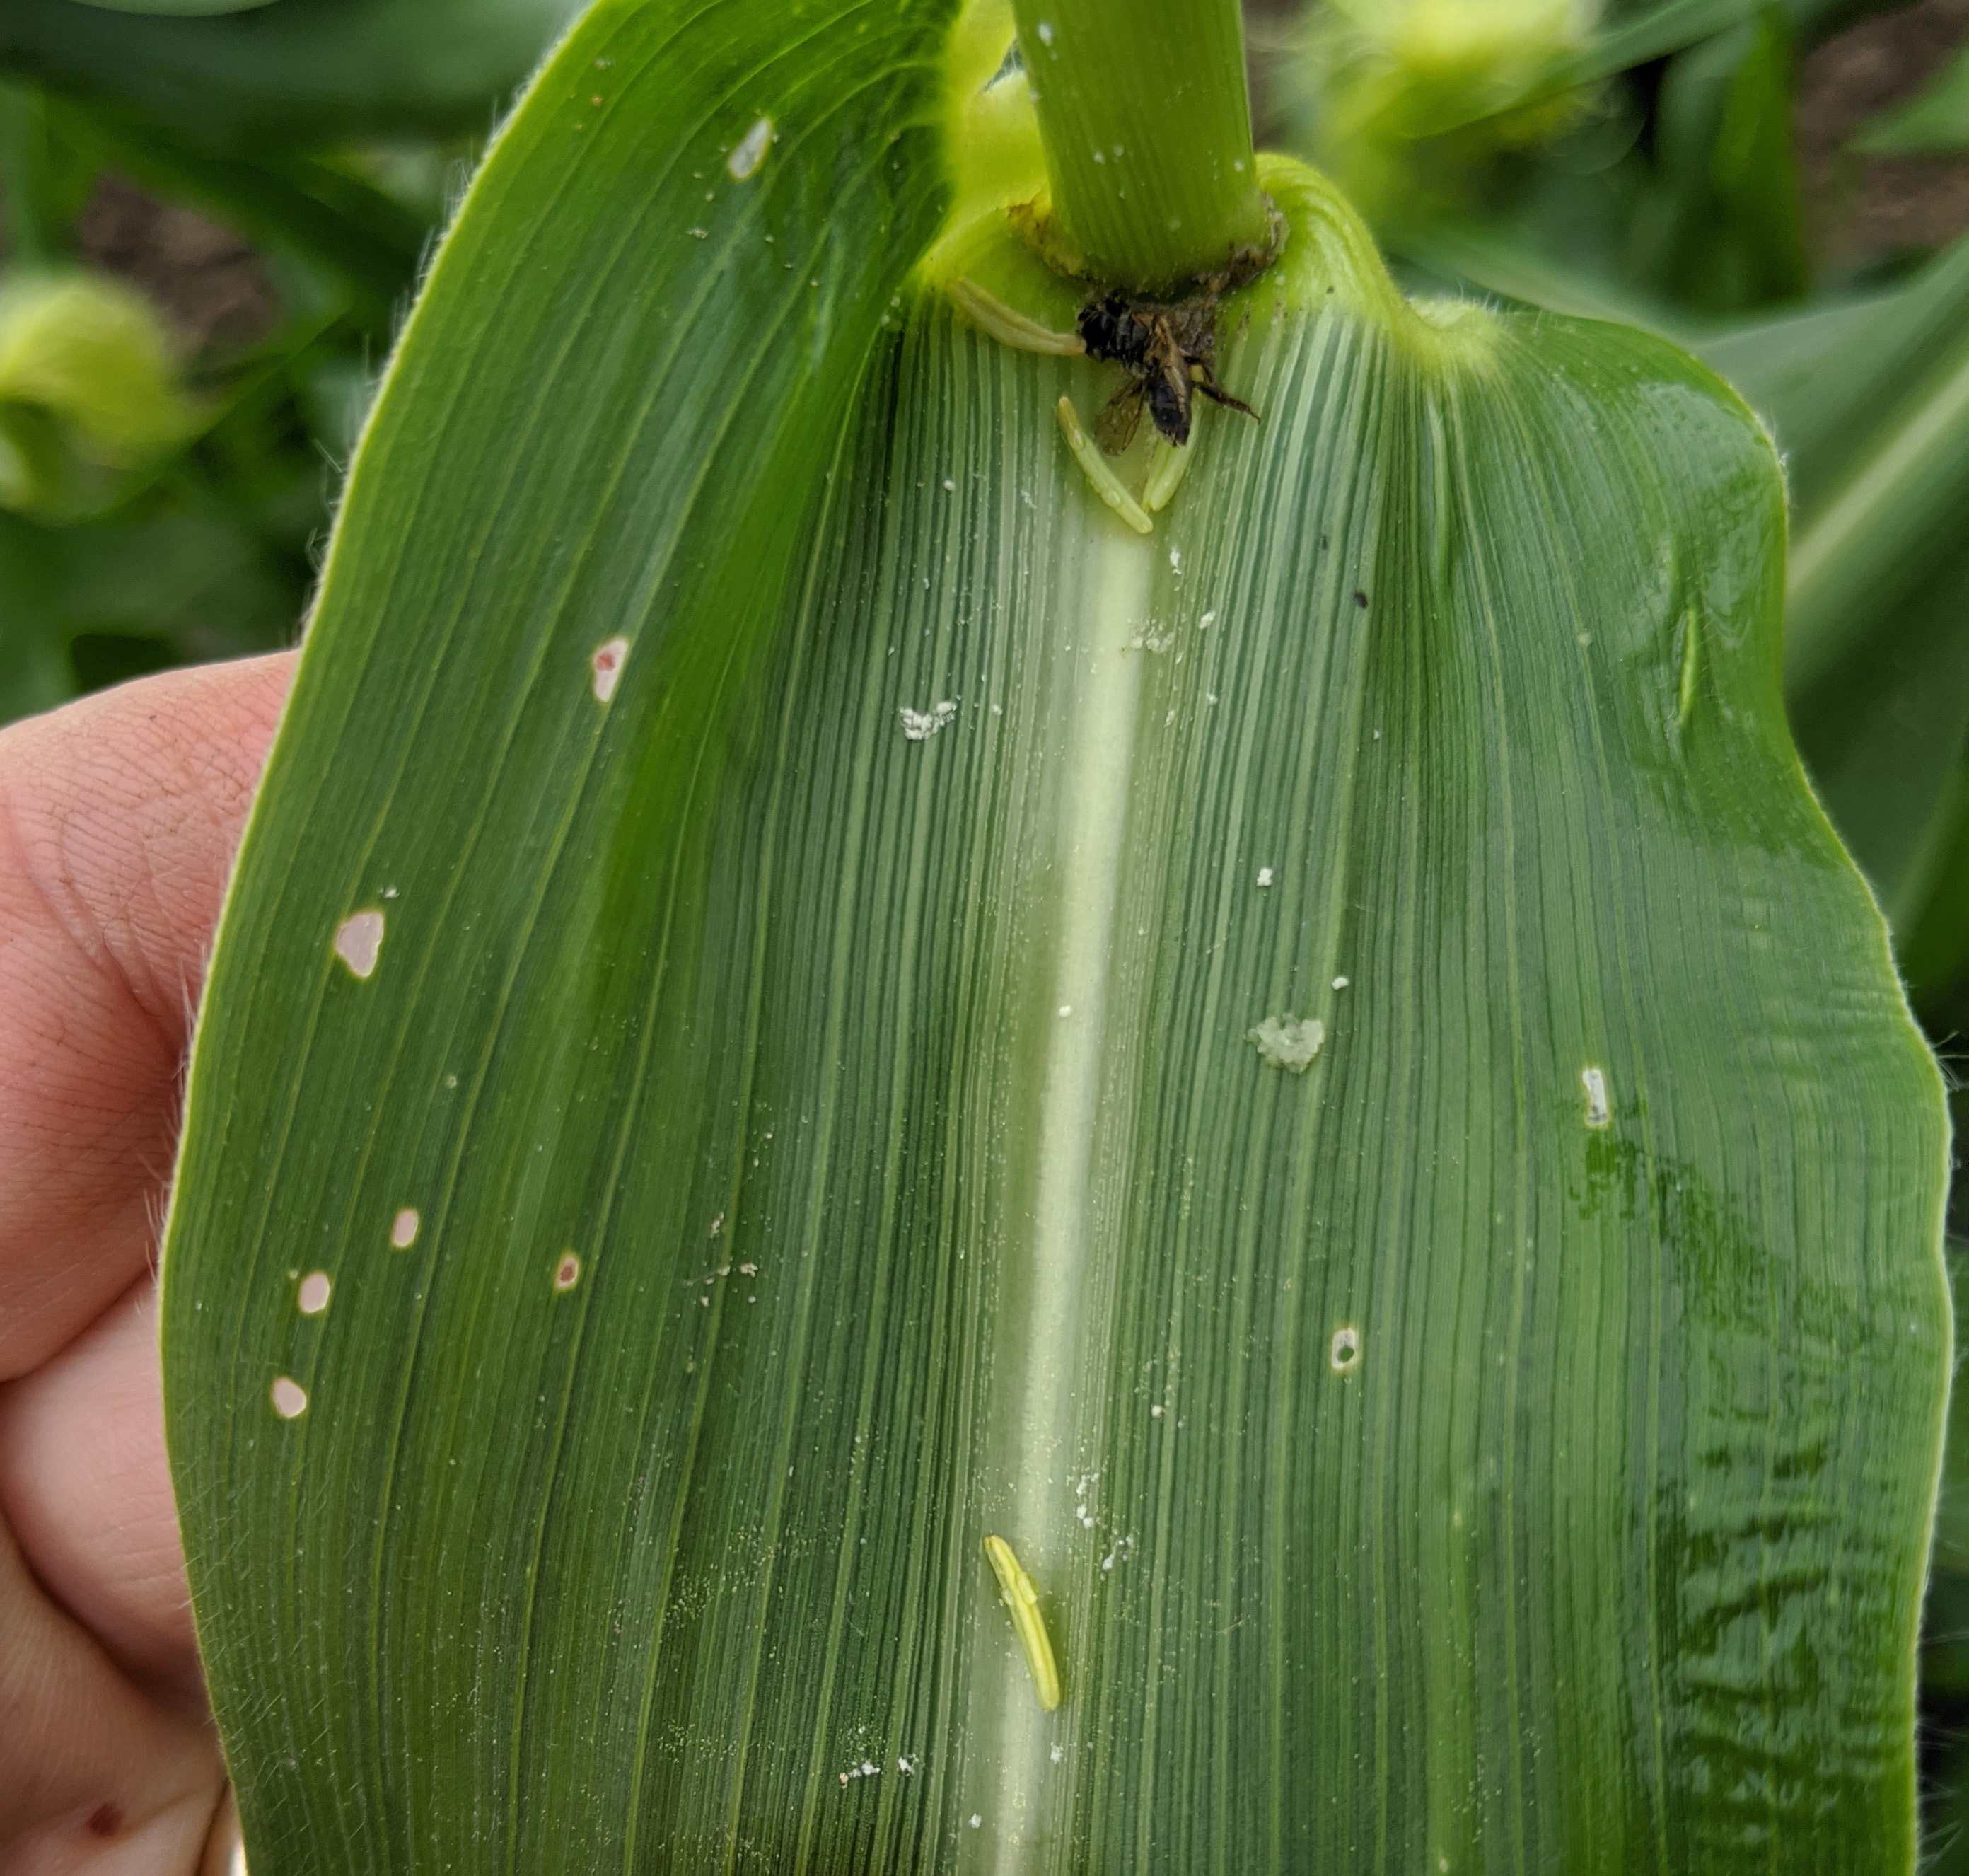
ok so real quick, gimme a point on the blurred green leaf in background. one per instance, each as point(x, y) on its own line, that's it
point(211, 226)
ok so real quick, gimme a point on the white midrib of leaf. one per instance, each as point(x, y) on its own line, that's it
point(1109, 603)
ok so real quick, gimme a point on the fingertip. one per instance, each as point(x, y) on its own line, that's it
point(125, 811)
point(119, 818)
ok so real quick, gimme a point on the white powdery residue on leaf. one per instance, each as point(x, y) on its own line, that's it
point(359, 942)
point(1598, 1114)
point(607, 666)
point(744, 161)
point(1346, 1350)
point(403, 1229)
point(1265, 876)
point(1287, 1042)
point(920, 726)
point(312, 1297)
point(290, 1398)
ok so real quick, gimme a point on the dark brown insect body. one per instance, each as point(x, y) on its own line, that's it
point(1166, 352)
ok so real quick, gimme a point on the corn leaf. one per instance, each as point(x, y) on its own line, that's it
point(297, 73)
point(1870, 403)
point(179, 9)
point(1933, 123)
point(799, 997)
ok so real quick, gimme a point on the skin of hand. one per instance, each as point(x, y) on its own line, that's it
point(119, 817)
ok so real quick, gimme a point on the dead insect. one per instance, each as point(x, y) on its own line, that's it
point(1166, 351)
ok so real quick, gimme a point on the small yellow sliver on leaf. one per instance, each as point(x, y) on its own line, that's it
point(1023, 1600)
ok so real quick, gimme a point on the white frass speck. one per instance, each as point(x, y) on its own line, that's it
point(1287, 1043)
point(920, 726)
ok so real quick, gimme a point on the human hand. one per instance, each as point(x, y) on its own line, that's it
point(119, 816)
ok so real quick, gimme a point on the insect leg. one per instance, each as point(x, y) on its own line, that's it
point(1216, 394)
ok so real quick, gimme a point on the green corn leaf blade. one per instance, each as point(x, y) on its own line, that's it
point(1951, 1523)
point(798, 997)
point(303, 72)
point(178, 582)
point(44, 183)
point(1935, 123)
point(177, 9)
point(1637, 37)
point(1510, 262)
point(1892, 517)
point(290, 204)
point(34, 671)
point(1934, 907)
point(1722, 227)
point(1884, 740)
point(1865, 403)
point(1830, 379)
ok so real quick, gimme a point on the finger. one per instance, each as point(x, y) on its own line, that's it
point(84, 1485)
point(119, 816)
point(94, 1780)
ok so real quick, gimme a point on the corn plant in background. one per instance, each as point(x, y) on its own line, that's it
point(960, 1112)
point(155, 509)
